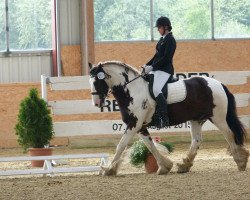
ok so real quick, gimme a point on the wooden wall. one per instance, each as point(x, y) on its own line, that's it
point(223, 55)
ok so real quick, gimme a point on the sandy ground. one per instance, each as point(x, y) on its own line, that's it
point(213, 176)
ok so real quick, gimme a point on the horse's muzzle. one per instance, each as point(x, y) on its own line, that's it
point(97, 103)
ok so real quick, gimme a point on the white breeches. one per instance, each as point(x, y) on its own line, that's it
point(160, 78)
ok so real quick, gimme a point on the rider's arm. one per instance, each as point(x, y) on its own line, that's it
point(166, 59)
point(151, 61)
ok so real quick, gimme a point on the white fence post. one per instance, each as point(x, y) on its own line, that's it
point(43, 87)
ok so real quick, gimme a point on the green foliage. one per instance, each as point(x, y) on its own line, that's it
point(32, 27)
point(117, 20)
point(2, 26)
point(122, 20)
point(199, 29)
point(168, 145)
point(235, 10)
point(232, 18)
point(34, 127)
point(191, 19)
point(29, 24)
point(139, 152)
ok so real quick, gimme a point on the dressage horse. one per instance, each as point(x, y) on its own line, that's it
point(202, 98)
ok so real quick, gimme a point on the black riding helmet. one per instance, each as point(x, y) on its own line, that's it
point(163, 21)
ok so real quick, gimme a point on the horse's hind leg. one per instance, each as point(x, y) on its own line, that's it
point(239, 152)
point(164, 164)
point(226, 119)
point(195, 143)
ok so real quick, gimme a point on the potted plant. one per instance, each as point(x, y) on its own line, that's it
point(140, 155)
point(34, 126)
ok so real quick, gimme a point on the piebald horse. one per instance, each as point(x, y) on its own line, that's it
point(205, 99)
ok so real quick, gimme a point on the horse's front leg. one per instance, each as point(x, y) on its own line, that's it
point(195, 144)
point(164, 164)
point(114, 165)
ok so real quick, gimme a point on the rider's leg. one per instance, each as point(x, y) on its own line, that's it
point(160, 78)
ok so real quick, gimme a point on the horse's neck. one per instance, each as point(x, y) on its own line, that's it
point(132, 97)
point(131, 93)
point(124, 90)
point(120, 76)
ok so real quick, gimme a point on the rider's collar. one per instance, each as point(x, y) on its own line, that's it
point(165, 35)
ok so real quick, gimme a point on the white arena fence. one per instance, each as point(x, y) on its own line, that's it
point(50, 161)
point(102, 127)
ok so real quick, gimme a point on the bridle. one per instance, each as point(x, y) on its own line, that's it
point(101, 86)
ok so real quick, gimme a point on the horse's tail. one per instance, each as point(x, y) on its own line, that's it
point(232, 119)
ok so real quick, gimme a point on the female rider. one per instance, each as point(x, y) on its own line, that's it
point(161, 66)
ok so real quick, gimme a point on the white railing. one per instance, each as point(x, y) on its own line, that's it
point(49, 169)
point(100, 127)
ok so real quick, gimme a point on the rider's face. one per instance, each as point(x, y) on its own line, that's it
point(161, 30)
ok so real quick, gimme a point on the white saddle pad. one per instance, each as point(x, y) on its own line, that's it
point(177, 92)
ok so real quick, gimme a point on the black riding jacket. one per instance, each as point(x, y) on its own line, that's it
point(163, 58)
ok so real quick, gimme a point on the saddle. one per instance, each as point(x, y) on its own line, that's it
point(174, 90)
point(150, 79)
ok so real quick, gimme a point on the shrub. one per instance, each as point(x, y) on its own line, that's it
point(34, 127)
point(139, 152)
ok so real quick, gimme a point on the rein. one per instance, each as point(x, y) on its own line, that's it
point(132, 80)
point(141, 75)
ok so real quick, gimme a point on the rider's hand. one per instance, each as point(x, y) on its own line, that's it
point(142, 70)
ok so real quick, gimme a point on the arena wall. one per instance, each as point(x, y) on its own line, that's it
point(197, 56)
point(222, 55)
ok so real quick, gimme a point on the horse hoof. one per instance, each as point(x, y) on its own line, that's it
point(182, 168)
point(162, 171)
point(165, 170)
point(241, 169)
point(242, 166)
point(107, 172)
point(242, 161)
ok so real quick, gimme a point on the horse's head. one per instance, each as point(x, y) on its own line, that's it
point(98, 85)
point(110, 74)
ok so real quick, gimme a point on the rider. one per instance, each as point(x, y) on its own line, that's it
point(161, 65)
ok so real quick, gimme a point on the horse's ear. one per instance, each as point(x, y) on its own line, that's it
point(90, 66)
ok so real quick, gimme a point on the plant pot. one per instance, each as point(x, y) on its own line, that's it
point(151, 164)
point(39, 152)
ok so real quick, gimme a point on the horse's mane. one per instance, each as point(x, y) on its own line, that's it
point(129, 67)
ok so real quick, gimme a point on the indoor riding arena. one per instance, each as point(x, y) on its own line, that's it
point(78, 80)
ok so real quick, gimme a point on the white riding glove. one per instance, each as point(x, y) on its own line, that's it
point(148, 68)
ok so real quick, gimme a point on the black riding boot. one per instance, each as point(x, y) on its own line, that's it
point(163, 110)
